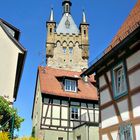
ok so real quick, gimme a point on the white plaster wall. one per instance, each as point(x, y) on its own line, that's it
point(44, 110)
point(105, 137)
point(96, 116)
point(133, 60)
point(53, 135)
point(64, 113)
point(49, 112)
point(47, 122)
point(137, 129)
point(55, 122)
point(102, 81)
point(56, 112)
point(123, 109)
point(136, 104)
point(115, 135)
point(8, 61)
point(105, 96)
point(108, 117)
point(134, 79)
point(64, 123)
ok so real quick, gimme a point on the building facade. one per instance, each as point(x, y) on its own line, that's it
point(12, 57)
point(65, 104)
point(118, 82)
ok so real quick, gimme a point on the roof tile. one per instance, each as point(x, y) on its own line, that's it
point(50, 85)
point(130, 24)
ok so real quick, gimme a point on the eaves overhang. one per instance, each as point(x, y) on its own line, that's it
point(130, 39)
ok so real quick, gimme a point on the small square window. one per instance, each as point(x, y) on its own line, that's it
point(60, 138)
point(78, 137)
point(119, 80)
point(70, 85)
point(74, 113)
point(125, 132)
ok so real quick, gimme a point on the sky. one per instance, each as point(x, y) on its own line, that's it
point(104, 16)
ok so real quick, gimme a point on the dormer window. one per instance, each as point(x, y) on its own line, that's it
point(70, 85)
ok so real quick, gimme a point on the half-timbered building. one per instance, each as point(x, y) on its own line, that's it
point(65, 105)
point(118, 81)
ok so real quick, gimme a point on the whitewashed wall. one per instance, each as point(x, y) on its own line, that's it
point(105, 96)
point(136, 105)
point(137, 129)
point(8, 61)
point(123, 109)
point(133, 60)
point(108, 117)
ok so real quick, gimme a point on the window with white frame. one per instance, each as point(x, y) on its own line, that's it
point(70, 85)
point(125, 132)
point(74, 112)
point(119, 80)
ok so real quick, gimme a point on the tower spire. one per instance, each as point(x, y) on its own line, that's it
point(66, 5)
point(84, 17)
point(51, 16)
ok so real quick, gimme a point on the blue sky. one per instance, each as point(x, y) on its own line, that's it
point(104, 16)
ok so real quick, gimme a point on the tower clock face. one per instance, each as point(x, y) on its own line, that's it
point(67, 24)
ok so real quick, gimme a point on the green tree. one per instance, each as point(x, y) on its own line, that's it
point(6, 113)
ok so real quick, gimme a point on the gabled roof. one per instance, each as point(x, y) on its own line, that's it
point(130, 24)
point(72, 26)
point(8, 28)
point(50, 85)
point(11, 29)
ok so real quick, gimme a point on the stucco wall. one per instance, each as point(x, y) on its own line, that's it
point(8, 61)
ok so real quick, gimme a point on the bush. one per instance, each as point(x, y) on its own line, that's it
point(4, 136)
point(6, 113)
point(27, 138)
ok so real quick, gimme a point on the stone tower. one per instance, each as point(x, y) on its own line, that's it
point(66, 45)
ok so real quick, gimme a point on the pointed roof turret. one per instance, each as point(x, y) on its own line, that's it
point(51, 19)
point(84, 17)
point(67, 24)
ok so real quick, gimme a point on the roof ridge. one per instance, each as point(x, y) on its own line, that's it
point(58, 69)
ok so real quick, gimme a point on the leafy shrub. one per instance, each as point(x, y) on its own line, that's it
point(4, 136)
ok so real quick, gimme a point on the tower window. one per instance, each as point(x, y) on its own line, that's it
point(119, 80)
point(74, 113)
point(70, 50)
point(84, 32)
point(67, 8)
point(50, 30)
point(70, 85)
point(64, 50)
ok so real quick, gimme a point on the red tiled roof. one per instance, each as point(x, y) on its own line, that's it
point(130, 24)
point(49, 84)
